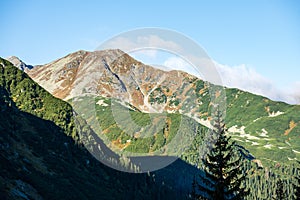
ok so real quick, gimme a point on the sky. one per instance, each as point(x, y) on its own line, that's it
point(255, 44)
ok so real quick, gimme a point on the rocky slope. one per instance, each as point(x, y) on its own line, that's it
point(19, 63)
point(42, 157)
point(111, 73)
point(261, 125)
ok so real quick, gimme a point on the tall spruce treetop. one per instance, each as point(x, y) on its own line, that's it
point(223, 177)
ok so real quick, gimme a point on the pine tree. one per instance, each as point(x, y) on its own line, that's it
point(223, 177)
point(279, 190)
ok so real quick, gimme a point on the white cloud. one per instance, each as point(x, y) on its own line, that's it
point(177, 63)
point(155, 41)
point(245, 78)
point(122, 43)
point(147, 45)
point(293, 92)
point(150, 53)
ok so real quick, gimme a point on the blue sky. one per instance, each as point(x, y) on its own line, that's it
point(262, 35)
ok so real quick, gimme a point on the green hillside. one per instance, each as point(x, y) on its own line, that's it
point(269, 129)
point(39, 159)
point(135, 131)
point(42, 152)
point(272, 129)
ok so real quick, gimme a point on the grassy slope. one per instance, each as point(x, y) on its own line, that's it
point(38, 159)
point(253, 112)
point(243, 109)
point(142, 133)
point(271, 138)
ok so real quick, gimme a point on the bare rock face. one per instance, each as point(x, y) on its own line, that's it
point(58, 76)
point(19, 63)
point(113, 73)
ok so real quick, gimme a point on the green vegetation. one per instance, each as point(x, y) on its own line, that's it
point(36, 154)
point(262, 182)
point(279, 190)
point(158, 96)
point(138, 132)
point(296, 185)
point(223, 179)
point(39, 159)
point(40, 147)
point(273, 125)
point(32, 98)
point(270, 182)
point(174, 101)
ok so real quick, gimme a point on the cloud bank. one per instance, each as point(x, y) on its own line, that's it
point(245, 78)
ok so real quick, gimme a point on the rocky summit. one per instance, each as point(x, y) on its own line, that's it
point(254, 121)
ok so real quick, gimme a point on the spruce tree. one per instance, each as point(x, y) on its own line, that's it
point(279, 190)
point(223, 177)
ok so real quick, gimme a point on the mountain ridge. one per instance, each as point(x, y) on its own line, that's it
point(108, 73)
point(41, 158)
point(166, 69)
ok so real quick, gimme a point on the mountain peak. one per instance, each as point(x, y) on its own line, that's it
point(17, 62)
